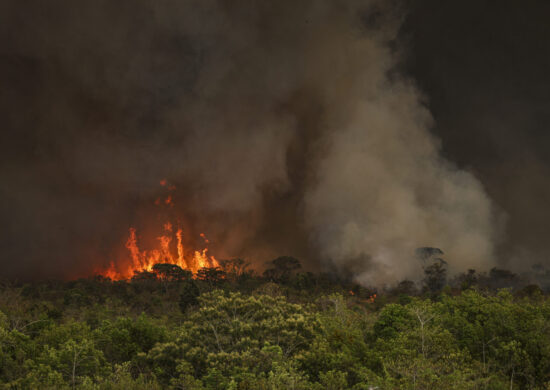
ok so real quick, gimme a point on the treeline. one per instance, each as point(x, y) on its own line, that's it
point(230, 328)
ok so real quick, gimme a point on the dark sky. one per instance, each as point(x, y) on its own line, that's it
point(484, 67)
point(101, 99)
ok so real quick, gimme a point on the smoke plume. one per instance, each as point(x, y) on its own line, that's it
point(284, 126)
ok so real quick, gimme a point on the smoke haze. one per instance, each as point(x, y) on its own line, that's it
point(286, 128)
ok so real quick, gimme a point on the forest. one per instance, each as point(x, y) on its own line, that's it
point(229, 327)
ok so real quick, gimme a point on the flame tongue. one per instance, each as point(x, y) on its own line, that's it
point(145, 260)
point(167, 252)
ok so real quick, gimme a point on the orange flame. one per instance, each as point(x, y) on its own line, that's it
point(144, 260)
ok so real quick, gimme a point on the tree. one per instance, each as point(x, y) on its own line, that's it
point(144, 277)
point(185, 379)
point(507, 337)
point(333, 380)
point(466, 280)
point(123, 379)
point(286, 376)
point(417, 351)
point(75, 360)
point(435, 276)
point(405, 287)
point(283, 268)
point(339, 356)
point(234, 268)
point(392, 320)
point(230, 334)
point(15, 349)
point(122, 339)
point(212, 275)
point(171, 272)
point(189, 295)
point(427, 253)
point(501, 278)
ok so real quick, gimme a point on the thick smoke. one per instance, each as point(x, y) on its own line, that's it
point(284, 126)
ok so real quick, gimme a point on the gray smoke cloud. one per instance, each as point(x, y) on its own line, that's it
point(382, 188)
point(284, 127)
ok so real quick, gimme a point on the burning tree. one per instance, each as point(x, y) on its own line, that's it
point(170, 260)
point(171, 272)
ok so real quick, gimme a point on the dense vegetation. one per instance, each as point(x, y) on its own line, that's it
point(231, 329)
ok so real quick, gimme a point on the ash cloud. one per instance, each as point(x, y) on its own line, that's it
point(285, 127)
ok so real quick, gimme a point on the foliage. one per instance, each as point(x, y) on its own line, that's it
point(282, 268)
point(189, 295)
point(171, 272)
point(230, 329)
point(232, 335)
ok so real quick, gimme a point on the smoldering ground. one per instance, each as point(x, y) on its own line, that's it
point(285, 127)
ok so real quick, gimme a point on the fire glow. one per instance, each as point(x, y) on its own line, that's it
point(170, 250)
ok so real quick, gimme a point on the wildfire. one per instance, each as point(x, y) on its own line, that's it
point(170, 250)
point(168, 200)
